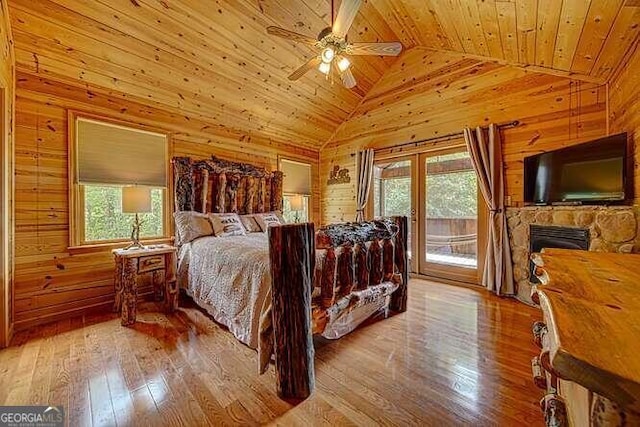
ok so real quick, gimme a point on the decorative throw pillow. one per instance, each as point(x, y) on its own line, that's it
point(250, 224)
point(191, 225)
point(269, 219)
point(226, 224)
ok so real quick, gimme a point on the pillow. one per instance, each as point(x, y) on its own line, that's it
point(226, 224)
point(269, 219)
point(250, 223)
point(191, 225)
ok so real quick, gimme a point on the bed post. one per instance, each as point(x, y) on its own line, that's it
point(399, 297)
point(292, 255)
point(182, 184)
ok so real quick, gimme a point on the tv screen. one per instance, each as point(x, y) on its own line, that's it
point(593, 172)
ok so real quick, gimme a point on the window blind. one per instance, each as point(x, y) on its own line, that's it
point(119, 155)
point(297, 177)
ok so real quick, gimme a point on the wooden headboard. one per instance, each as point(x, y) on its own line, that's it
point(216, 185)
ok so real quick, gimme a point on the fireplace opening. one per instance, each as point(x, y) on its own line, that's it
point(548, 236)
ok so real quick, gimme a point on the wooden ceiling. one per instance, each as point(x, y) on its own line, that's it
point(210, 60)
point(585, 39)
point(213, 61)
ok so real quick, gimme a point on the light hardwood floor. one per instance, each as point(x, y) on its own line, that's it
point(458, 356)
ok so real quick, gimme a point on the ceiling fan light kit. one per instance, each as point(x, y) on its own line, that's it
point(328, 54)
point(333, 46)
point(324, 67)
point(343, 64)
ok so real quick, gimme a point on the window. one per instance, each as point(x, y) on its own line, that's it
point(451, 210)
point(104, 220)
point(392, 189)
point(296, 186)
point(107, 157)
point(392, 194)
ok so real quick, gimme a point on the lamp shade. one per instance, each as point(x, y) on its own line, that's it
point(295, 202)
point(136, 199)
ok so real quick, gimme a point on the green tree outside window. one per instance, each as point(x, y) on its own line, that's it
point(104, 220)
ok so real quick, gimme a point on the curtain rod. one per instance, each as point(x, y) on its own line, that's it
point(446, 137)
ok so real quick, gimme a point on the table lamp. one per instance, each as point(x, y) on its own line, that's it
point(136, 200)
point(296, 205)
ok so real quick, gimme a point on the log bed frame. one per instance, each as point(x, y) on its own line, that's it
point(354, 257)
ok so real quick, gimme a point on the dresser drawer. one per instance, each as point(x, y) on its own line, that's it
point(150, 263)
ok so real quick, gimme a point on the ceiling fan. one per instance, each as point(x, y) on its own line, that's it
point(334, 47)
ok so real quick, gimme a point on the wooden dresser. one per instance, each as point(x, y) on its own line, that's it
point(589, 365)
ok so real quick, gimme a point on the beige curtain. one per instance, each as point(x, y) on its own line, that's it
point(364, 168)
point(485, 149)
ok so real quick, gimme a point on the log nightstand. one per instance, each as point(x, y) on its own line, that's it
point(130, 263)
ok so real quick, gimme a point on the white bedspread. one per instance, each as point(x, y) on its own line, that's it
point(229, 277)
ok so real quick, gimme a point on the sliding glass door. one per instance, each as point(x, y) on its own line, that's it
point(394, 194)
point(438, 191)
point(449, 216)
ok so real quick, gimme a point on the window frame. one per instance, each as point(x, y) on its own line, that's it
point(76, 190)
point(310, 202)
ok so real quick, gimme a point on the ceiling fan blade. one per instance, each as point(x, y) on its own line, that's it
point(346, 14)
point(291, 35)
point(381, 49)
point(312, 63)
point(347, 79)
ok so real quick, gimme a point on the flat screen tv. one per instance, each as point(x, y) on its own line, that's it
point(594, 172)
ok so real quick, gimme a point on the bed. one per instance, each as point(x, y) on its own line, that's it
point(274, 290)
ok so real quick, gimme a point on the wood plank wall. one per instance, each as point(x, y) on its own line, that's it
point(51, 281)
point(624, 106)
point(210, 60)
point(7, 85)
point(428, 93)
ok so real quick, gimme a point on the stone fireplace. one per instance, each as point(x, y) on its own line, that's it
point(596, 228)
